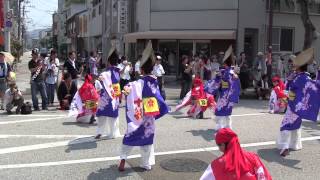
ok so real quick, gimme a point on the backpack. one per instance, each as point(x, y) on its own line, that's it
point(26, 108)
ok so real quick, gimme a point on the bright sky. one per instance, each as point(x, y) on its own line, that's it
point(40, 13)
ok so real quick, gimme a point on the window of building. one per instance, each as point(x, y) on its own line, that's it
point(293, 6)
point(314, 7)
point(93, 13)
point(282, 39)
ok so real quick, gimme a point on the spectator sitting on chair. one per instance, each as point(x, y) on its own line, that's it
point(13, 97)
point(66, 91)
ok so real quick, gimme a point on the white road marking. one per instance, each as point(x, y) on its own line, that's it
point(37, 115)
point(6, 136)
point(81, 161)
point(29, 120)
point(33, 147)
point(78, 140)
point(255, 114)
point(241, 115)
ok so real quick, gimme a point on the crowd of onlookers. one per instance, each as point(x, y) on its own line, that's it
point(256, 73)
point(45, 75)
point(45, 80)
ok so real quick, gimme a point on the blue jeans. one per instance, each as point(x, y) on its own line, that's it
point(50, 92)
point(35, 88)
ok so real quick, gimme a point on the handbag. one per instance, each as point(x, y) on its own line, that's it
point(26, 108)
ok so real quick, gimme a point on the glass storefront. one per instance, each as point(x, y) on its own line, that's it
point(168, 50)
point(172, 51)
point(203, 48)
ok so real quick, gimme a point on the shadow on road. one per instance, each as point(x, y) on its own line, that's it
point(207, 135)
point(310, 126)
point(110, 173)
point(81, 144)
point(77, 124)
point(272, 155)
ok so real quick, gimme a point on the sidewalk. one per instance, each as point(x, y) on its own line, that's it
point(23, 74)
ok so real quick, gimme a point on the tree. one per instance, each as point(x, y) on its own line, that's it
point(310, 31)
point(16, 48)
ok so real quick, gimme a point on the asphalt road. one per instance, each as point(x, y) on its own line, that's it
point(49, 145)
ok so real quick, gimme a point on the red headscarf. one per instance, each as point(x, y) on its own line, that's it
point(88, 91)
point(280, 82)
point(279, 91)
point(236, 160)
point(197, 88)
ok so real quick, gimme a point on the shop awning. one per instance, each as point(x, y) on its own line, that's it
point(191, 35)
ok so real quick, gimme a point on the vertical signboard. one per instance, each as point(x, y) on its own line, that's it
point(123, 16)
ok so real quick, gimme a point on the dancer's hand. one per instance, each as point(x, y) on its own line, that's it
point(126, 90)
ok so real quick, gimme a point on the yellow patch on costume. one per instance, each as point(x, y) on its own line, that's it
point(203, 102)
point(292, 95)
point(151, 106)
point(224, 85)
point(90, 104)
point(116, 90)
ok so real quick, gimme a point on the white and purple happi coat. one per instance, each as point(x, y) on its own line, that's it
point(228, 87)
point(141, 129)
point(304, 100)
point(109, 102)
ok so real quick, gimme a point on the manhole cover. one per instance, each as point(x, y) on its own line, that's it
point(184, 165)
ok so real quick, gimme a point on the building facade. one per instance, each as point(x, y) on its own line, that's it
point(183, 27)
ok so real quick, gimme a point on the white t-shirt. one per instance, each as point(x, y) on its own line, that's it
point(56, 61)
point(137, 67)
point(126, 71)
point(158, 70)
point(52, 78)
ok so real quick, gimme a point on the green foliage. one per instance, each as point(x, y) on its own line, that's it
point(16, 48)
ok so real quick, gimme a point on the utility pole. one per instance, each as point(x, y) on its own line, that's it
point(23, 28)
point(7, 43)
point(269, 48)
point(270, 23)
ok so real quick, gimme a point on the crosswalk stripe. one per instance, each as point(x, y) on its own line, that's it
point(92, 160)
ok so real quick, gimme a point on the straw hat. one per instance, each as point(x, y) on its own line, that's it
point(147, 54)
point(304, 57)
point(228, 53)
point(112, 50)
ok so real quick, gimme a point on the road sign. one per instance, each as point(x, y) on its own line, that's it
point(8, 24)
point(9, 15)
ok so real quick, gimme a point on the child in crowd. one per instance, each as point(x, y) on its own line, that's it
point(278, 98)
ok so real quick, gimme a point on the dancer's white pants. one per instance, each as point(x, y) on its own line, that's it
point(147, 154)
point(112, 126)
point(223, 122)
point(290, 140)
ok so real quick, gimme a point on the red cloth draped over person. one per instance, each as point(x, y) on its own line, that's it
point(89, 94)
point(198, 99)
point(279, 87)
point(278, 98)
point(84, 104)
point(235, 163)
